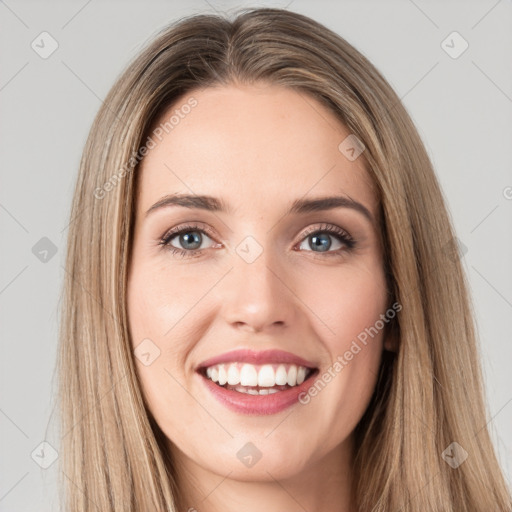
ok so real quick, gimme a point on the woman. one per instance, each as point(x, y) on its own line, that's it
point(264, 307)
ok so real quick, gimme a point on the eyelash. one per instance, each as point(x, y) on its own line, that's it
point(330, 229)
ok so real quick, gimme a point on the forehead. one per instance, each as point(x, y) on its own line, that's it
point(255, 145)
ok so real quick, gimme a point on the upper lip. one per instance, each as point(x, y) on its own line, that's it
point(257, 357)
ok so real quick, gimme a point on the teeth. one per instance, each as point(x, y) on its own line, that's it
point(264, 376)
point(301, 374)
point(270, 391)
point(292, 375)
point(248, 375)
point(281, 376)
point(233, 375)
point(223, 377)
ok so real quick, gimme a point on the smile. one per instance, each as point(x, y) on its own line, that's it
point(257, 382)
point(257, 379)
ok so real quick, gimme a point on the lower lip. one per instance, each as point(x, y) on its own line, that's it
point(257, 404)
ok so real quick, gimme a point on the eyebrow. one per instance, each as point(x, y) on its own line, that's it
point(299, 206)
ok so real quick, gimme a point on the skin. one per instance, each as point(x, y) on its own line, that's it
point(259, 148)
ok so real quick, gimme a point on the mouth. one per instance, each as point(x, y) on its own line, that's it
point(254, 379)
point(263, 382)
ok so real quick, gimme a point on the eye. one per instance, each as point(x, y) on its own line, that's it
point(319, 240)
point(186, 240)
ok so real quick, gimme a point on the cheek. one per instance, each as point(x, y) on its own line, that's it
point(160, 302)
point(158, 312)
point(348, 308)
point(346, 302)
point(167, 317)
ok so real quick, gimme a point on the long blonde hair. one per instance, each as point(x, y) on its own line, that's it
point(429, 393)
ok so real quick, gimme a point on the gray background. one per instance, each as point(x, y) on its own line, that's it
point(462, 107)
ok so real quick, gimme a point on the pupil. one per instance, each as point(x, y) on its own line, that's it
point(187, 238)
point(322, 242)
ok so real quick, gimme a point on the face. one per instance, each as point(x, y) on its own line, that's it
point(285, 287)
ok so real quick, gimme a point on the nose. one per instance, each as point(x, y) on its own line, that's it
point(258, 296)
